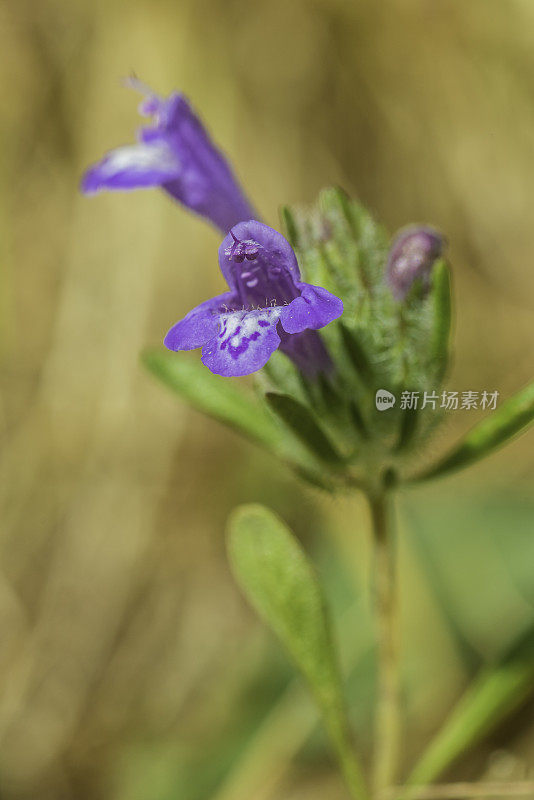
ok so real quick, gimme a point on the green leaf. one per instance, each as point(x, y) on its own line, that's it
point(408, 429)
point(218, 397)
point(276, 576)
point(494, 431)
point(302, 422)
point(290, 226)
point(357, 354)
point(223, 400)
point(358, 419)
point(337, 206)
point(498, 690)
point(441, 318)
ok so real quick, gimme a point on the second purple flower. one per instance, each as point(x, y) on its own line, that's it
point(177, 154)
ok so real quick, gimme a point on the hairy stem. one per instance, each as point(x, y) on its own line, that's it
point(387, 719)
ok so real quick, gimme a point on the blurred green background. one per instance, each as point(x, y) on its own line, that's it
point(130, 666)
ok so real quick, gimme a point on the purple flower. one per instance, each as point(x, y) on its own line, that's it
point(267, 307)
point(412, 255)
point(177, 154)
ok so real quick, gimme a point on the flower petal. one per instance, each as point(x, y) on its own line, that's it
point(206, 183)
point(244, 344)
point(200, 325)
point(176, 153)
point(308, 353)
point(313, 309)
point(274, 256)
point(132, 167)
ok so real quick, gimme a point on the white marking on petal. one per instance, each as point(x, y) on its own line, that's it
point(231, 322)
point(138, 157)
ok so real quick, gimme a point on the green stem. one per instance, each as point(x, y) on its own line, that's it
point(387, 719)
point(348, 762)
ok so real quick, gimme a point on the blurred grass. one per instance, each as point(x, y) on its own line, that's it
point(119, 621)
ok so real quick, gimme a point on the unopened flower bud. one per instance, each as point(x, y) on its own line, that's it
point(412, 255)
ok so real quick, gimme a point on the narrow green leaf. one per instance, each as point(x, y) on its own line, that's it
point(356, 353)
point(330, 394)
point(279, 374)
point(335, 204)
point(222, 399)
point(316, 267)
point(276, 576)
point(441, 319)
point(339, 208)
point(358, 419)
point(289, 225)
point(503, 424)
point(302, 422)
point(218, 397)
point(498, 690)
point(408, 428)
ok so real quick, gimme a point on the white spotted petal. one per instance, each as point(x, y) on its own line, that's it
point(245, 342)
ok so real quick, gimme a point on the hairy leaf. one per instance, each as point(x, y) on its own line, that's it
point(357, 354)
point(494, 431)
point(302, 422)
point(216, 396)
point(275, 574)
point(222, 399)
